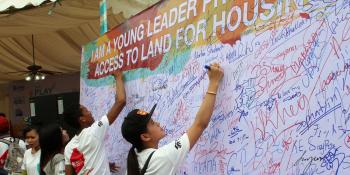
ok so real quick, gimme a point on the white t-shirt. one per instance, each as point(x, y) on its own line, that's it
point(31, 162)
point(166, 159)
point(85, 152)
point(60, 168)
point(4, 148)
point(55, 166)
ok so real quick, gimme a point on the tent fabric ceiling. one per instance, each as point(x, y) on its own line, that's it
point(5, 4)
point(58, 37)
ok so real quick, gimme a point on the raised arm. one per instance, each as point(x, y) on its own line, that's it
point(206, 109)
point(120, 98)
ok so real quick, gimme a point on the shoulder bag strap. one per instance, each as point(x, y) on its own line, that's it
point(143, 171)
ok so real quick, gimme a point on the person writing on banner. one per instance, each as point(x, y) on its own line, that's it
point(138, 128)
point(85, 153)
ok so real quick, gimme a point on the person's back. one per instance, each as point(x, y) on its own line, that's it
point(85, 151)
point(3, 157)
point(52, 139)
point(55, 165)
point(11, 149)
point(4, 129)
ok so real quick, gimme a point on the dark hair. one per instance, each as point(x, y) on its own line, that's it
point(71, 117)
point(50, 139)
point(30, 128)
point(2, 114)
point(133, 166)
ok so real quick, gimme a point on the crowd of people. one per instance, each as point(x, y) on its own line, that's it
point(48, 150)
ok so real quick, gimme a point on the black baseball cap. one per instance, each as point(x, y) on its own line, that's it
point(135, 124)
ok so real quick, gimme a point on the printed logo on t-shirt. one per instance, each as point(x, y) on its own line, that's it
point(177, 144)
point(77, 160)
point(100, 124)
point(142, 112)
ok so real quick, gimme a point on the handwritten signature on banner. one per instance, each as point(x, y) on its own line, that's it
point(283, 106)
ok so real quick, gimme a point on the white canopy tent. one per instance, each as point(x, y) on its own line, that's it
point(58, 37)
point(18, 4)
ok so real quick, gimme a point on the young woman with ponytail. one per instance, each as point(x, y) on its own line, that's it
point(138, 128)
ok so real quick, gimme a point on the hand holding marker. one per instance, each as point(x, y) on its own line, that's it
point(207, 67)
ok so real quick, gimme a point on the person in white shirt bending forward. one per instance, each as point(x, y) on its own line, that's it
point(85, 153)
point(138, 128)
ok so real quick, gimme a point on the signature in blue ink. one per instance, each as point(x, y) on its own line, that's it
point(234, 132)
point(333, 159)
